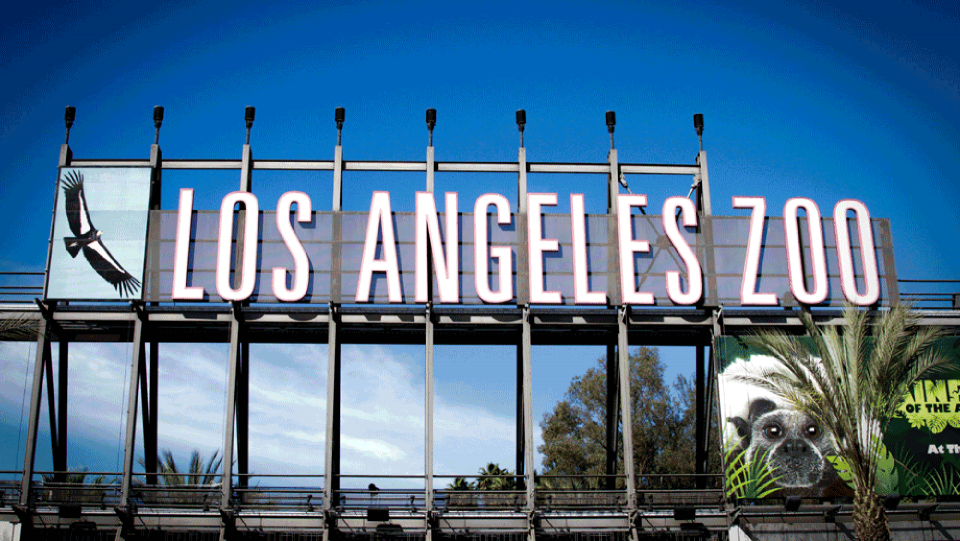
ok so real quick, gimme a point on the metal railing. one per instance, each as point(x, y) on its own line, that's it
point(20, 287)
point(931, 294)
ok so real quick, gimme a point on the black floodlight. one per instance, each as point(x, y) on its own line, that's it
point(830, 515)
point(698, 125)
point(157, 122)
point(891, 501)
point(521, 121)
point(68, 117)
point(611, 122)
point(339, 115)
point(431, 122)
point(791, 503)
point(685, 512)
point(249, 114)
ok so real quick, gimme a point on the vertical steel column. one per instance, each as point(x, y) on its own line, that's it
point(613, 248)
point(60, 461)
point(243, 414)
point(701, 411)
point(428, 384)
point(226, 494)
point(331, 483)
point(613, 414)
point(51, 405)
point(528, 422)
point(625, 408)
point(523, 297)
point(132, 402)
point(43, 348)
point(428, 424)
point(613, 288)
point(150, 431)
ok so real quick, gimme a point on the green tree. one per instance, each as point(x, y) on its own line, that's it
point(852, 387)
point(574, 433)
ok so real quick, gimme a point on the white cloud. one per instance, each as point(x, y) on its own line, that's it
point(382, 391)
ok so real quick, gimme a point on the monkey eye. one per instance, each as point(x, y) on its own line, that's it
point(773, 431)
point(813, 431)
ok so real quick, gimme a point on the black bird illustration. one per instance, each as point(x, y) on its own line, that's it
point(88, 238)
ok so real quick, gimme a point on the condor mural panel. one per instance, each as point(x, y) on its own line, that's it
point(772, 450)
point(99, 234)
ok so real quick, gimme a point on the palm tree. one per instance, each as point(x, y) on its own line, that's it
point(18, 328)
point(501, 481)
point(460, 484)
point(852, 386)
point(199, 472)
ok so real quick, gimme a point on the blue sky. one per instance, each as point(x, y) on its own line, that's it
point(808, 99)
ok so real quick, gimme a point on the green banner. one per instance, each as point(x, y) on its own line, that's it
point(772, 450)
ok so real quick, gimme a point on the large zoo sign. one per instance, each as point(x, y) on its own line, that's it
point(491, 255)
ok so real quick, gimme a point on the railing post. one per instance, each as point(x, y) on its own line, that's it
point(132, 404)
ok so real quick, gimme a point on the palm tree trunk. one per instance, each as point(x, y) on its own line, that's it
point(870, 517)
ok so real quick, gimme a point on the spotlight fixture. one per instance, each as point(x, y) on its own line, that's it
point(791, 503)
point(157, 121)
point(925, 513)
point(339, 115)
point(68, 117)
point(830, 515)
point(611, 122)
point(249, 115)
point(431, 122)
point(698, 125)
point(891, 501)
point(521, 121)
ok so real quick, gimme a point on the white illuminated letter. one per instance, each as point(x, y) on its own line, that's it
point(380, 218)
point(181, 252)
point(868, 255)
point(246, 275)
point(500, 253)
point(795, 257)
point(428, 231)
point(581, 284)
point(301, 265)
point(628, 247)
point(537, 245)
point(694, 274)
point(749, 296)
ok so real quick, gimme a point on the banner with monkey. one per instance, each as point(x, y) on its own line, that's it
point(771, 450)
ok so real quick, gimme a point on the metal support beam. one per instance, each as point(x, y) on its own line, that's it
point(528, 421)
point(243, 415)
point(226, 494)
point(43, 347)
point(331, 483)
point(613, 248)
point(701, 411)
point(51, 406)
point(150, 431)
point(428, 425)
point(625, 408)
point(132, 403)
point(523, 265)
point(521, 452)
point(613, 414)
point(60, 461)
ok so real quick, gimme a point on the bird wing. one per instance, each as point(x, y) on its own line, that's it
point(78, 216)
point(106, 266)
